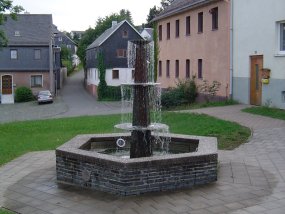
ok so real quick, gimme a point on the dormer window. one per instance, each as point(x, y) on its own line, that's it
point(125, 34)
point(17, 33)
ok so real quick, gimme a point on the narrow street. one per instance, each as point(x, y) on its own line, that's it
point(79, 102)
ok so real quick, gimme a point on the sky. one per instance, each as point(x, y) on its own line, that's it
point(79, 15)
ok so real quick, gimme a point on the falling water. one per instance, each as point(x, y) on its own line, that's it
point(154, 97)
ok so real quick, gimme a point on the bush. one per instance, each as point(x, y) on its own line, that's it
point(189, 88)
point(172, 97)
point(111, 93)
point(23, 94)
point(184, 93)
point(68, 65)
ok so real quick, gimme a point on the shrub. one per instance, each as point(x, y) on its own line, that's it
point(172, 97)
point(189, 88)
point(184, 93)
point(68, 65)
point(23, 94)
point(110, 93)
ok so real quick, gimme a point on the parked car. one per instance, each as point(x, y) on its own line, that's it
point(45, 97)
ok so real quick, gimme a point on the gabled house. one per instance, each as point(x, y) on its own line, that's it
point(76, 35)
point(30, 58)
point(113, 44)
point(194, 39)
point(258, 52)
point(147, 34)
point(62, 40)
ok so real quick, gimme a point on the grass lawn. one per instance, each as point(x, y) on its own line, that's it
point(202, 105)
point(268, 112)
point(18, 138)
point(2, 211)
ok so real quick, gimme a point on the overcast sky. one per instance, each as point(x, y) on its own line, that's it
point(79, 15)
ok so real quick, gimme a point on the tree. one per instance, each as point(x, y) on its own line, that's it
point(102, 24)
point(153, 12)
point(65, 53)
point(102, 87)
point(7, 6)
point(166, 3)
point(126, 14)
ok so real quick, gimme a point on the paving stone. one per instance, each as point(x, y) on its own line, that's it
point(251, 179)
point(218, 209)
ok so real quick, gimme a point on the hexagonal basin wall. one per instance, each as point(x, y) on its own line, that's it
point(82, 162)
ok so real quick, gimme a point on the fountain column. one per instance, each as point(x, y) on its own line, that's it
point(141, 136)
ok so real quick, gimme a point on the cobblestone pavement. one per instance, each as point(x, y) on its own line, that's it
point(250, 180)
point(31, 111)
point(79, 102)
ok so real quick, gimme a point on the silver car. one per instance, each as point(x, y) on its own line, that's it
point(45, 97)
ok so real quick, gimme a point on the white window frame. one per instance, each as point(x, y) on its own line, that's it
point(280, 52)
point(32, 75)
point(12, 56)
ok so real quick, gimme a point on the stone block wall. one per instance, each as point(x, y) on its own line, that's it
point(90, 169)
point(128, 179)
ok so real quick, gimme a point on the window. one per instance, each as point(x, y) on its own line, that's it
point(177, 68)
point(215, 16)
point(36, 81)
point(14, 54)
point(177, 28)
point(168, 31)
point(125, 34)
point(37, 54)
point(282, 37)
point(188, 31)
point(60, 39)
point(167, 68)
point(200, 68)
point(133, 74)
point(68, 46)
point(121, 53)
point(160, 68)
point(160, 32)
point(200, 22)
point(187, 68)
point(115, 74)
point(17, 33)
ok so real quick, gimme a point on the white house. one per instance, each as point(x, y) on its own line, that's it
point(113, 45)
point(147, 34)
point(258, 46)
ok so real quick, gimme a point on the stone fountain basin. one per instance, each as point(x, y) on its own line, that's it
point(77, 164)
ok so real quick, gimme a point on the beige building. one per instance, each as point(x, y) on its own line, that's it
point(194, 39)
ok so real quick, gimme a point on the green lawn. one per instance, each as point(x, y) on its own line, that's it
point(202, 105)
point(268, 112)
point(2, 211)
point(18, 138)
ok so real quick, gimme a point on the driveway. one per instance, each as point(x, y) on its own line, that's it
point(73, 100)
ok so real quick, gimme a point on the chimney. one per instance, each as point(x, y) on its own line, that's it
point(114, 23)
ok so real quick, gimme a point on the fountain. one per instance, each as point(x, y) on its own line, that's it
point(146, 157)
